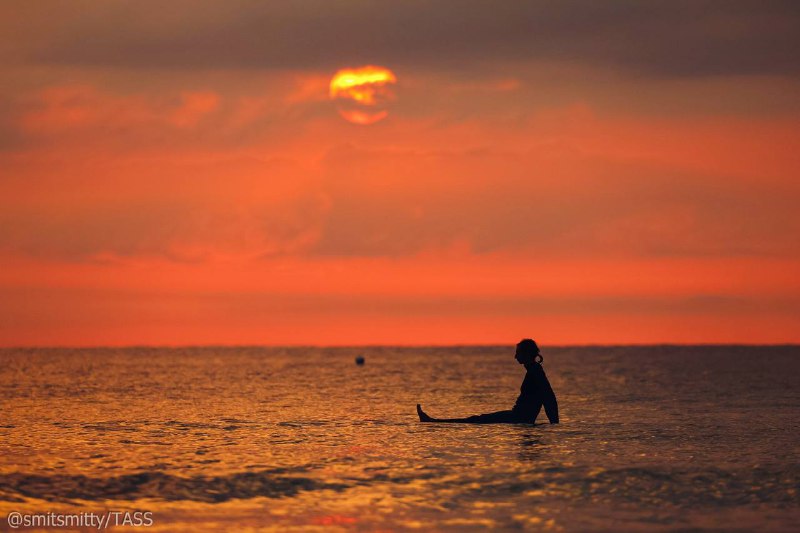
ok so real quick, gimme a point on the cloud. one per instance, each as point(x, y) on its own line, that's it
point(193, 174)
point(400, 203)
point(80, 316)
point(11, 138)
point(69, 112)
point(202, 222)
point(659, 38)
point(194, 106)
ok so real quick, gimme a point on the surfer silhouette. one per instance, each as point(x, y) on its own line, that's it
point(534, 393)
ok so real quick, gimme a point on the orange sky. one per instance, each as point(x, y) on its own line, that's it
point(219, 198)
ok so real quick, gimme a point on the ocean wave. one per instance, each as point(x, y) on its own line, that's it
point(676, 487)
point(272, 483)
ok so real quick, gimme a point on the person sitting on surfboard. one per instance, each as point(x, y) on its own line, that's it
point(535, 392)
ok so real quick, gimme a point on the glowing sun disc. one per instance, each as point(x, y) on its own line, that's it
point(363, 94)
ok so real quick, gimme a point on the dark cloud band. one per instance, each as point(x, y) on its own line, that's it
point(654, 38)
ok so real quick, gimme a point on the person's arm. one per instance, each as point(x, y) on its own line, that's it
point(550, 405)
point(549, 399)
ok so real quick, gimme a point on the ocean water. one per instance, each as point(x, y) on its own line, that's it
point(652, 438)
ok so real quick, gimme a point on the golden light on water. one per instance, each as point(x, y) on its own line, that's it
point(363, 94)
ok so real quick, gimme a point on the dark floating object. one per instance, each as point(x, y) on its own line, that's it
point(360, 360)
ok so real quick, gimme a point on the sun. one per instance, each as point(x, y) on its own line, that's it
point(363, 94)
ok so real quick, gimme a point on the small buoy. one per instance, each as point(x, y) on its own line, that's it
point(360, 360)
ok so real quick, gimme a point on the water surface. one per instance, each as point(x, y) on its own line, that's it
point(652, 438)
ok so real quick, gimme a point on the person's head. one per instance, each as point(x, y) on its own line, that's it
point(527, 352)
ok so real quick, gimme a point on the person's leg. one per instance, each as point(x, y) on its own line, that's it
point(529, 413)
point(499, 417)
point(423, 416)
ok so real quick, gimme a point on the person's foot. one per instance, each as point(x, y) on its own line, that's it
point(422, 416)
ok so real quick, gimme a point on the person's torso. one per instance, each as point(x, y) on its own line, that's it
point(534, 387)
